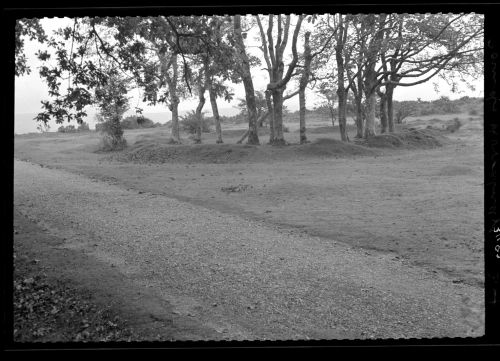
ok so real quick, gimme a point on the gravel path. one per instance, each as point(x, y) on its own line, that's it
point(245, 279)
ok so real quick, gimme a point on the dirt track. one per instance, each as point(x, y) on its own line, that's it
point(241, 279)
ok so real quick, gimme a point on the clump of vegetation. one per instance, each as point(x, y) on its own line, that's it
point(113, 103)
point(66, 129)
point(83, 127)
point(439, 106)
point(237, 188)
point(403, 110)
point(190, 123)
point(112, 136)
point(135, 122)
point(454, 126)
point(53, 312)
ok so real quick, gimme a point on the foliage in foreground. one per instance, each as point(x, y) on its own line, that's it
point(45, 312)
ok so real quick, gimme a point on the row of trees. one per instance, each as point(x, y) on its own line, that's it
point(363, 57)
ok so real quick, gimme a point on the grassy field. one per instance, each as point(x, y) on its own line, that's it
point(420, 200)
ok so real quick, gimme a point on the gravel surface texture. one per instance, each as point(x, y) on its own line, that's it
point(246, 280)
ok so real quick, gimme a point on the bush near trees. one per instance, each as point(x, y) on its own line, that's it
point(66, 129)
point(135, 122)
point(71, 128)
point(436, 107)
point(190, 123)
point(84, 127)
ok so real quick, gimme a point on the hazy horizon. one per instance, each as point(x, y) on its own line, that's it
point(24, 122)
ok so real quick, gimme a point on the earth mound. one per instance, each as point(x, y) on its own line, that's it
point(332, 147)
point(411, 138)
point(152, 151)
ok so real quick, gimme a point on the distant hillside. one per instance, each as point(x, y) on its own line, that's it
point(25, 123)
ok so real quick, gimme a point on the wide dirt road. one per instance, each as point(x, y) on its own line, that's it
point(244, 279)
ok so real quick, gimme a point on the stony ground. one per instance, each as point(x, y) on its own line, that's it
point(237, 278)
point(326, 241)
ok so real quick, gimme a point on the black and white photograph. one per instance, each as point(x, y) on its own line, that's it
point(252, 176)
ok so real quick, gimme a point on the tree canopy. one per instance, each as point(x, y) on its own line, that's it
point(170, 58)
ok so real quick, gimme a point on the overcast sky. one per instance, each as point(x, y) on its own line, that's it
point(30, 90)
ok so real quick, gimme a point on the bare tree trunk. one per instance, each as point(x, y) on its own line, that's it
point(199, 108)
point(342, 115)
point(371, 103)
point(279, 139)
point(215, 109)
point(341, 92)
point(302, 116)
point(175, 121)
point(358, 100)
point(260, 120)
point(332, 115)
point(370, 90)
point(383, 111)
point(370, 76)
point(174, 102)
point(277, 77)
point(390, 108)
point(304, 79)
point(243, 137)
point(271, 116)
point(246, 76)
point(359, 118)
point(174, 108)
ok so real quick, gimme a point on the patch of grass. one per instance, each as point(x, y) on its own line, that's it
point(320, 130)
point(330, 129)
point(454, 126)
point(453, 170)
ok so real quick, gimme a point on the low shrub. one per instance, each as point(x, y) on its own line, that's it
point(68, 129)
point(84, 127)
point(71, 128)
point(110, 143)
point(112, 135)
point(454, 126)
point(135, 122)
point(189, 123)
